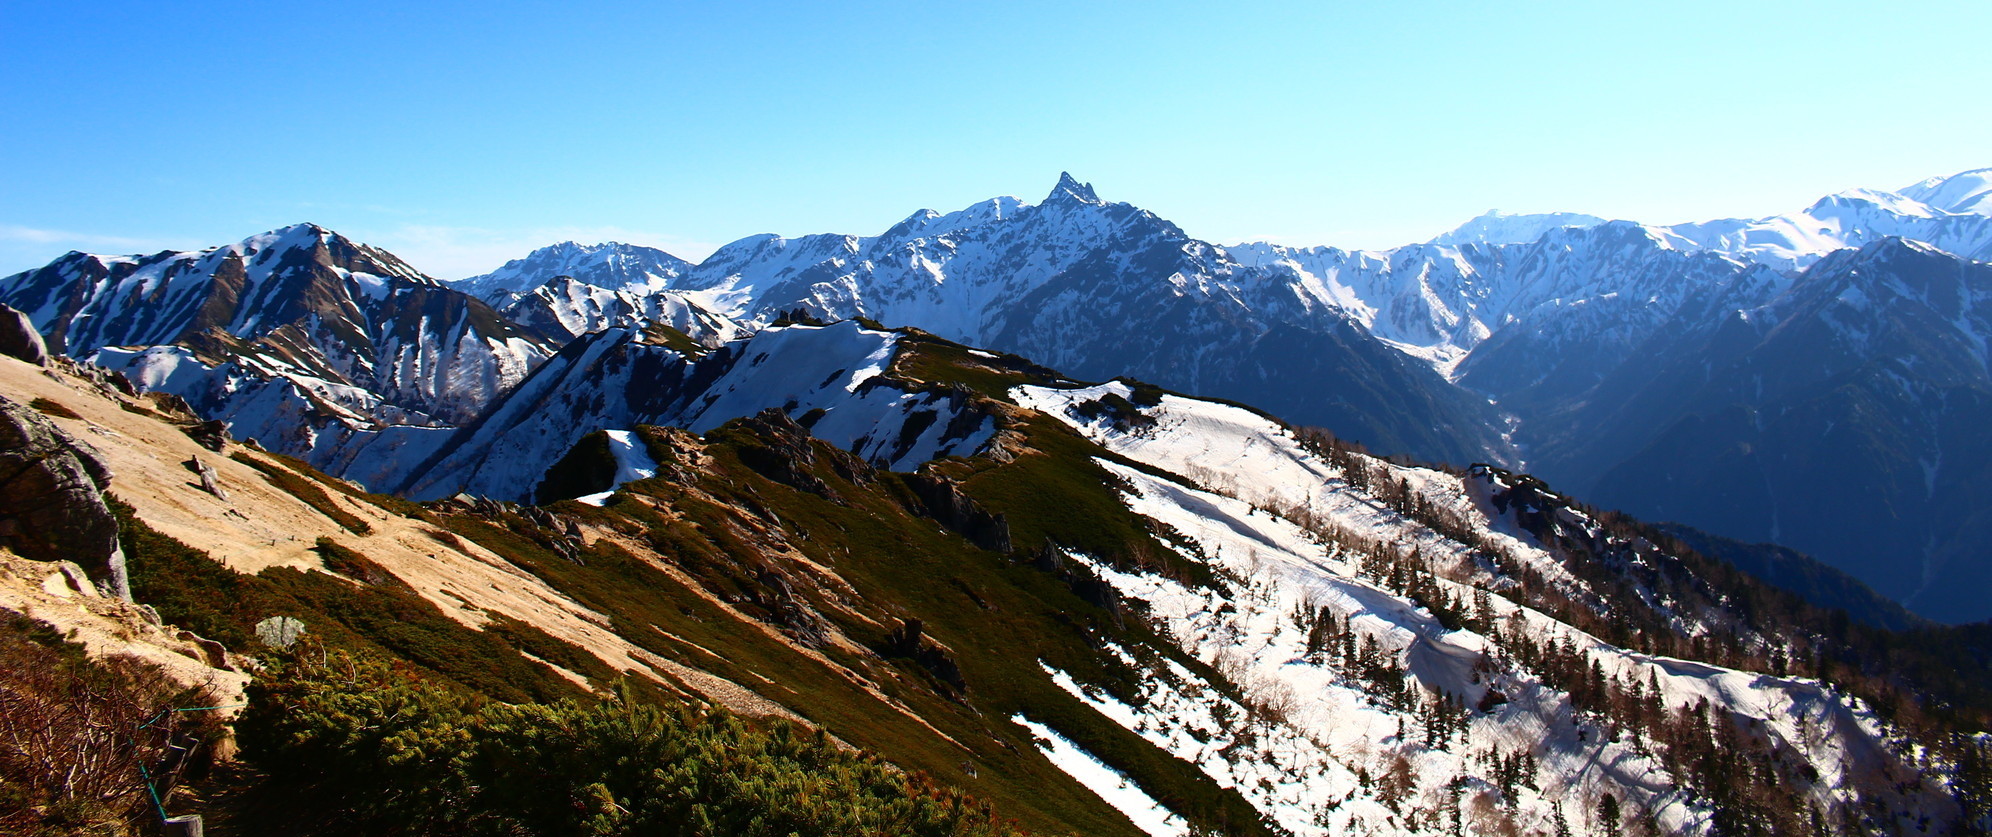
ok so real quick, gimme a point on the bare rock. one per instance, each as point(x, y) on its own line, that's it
point(19, 339)
point(210, 481)
point(279, 631)
point(175, 407)
point(52, 498)
point(211, 653)
point(945, 502)
point(212, 435)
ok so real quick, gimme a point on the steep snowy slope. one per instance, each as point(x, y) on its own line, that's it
point(566, 290)
point(1325, 614)
point(831, 378)
point(565, 308)
point(1965, 192)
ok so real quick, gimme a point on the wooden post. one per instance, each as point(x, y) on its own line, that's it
point(184, 825)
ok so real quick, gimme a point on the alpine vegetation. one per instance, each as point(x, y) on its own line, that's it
point(1022, 519)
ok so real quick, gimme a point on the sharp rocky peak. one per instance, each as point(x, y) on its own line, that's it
point(1070, 190)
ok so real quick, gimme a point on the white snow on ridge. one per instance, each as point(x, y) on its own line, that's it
point(611, 266)
point(632, 463)
point(1497, 227)
point(803, 368)
point(828, 377)
point(810, 365)
point(1967, 192)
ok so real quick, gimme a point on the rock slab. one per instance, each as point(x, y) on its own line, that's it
point(52, 505)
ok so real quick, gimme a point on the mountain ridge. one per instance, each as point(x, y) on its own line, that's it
point(1231, 621)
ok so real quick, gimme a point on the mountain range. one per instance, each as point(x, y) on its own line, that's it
point(1561, 321)
point(1049, 506)
point(1098, 608)
point(1624, 362)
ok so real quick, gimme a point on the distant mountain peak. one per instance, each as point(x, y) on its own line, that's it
point(1498, 227)
point(1964, 193)
point(612, 265)
point(1070, 189)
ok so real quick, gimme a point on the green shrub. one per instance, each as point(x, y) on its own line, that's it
point(50, 407)
point(388, 752)
point(290, 482)
point(355, 566)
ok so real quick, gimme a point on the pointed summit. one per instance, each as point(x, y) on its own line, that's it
point(1069, 189)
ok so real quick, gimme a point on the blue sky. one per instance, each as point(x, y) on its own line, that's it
point(462, 134)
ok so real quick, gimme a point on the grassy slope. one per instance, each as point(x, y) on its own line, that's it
point(728, 529)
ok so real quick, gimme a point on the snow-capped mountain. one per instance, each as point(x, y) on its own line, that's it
point(565, 308)
point(1842, 418)
point(1440, 303)
point(834, 379)
point(610, 265)
point(299, 337)
point(1926, 211)
point(1497, 227)
point(1963, 193)
point(1852, 218)
point(1101, 289)
point(966, 275)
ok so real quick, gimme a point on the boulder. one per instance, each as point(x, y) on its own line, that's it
point(212, 435)
point(52, 504)
point(210, 481)
point(19, 339)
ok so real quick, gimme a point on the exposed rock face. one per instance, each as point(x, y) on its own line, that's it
point(955, 510)
point(52, 498)
point(212, 435)
point(19, 339)
point(786, 454)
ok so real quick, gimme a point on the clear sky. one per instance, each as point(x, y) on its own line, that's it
point(463, 134)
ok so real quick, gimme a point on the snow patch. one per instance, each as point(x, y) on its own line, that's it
point(633, 463)
point(1117, 790)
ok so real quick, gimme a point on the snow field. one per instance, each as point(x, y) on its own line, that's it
point(1248, 634)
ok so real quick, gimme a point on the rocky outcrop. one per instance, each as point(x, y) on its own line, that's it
point(58, 595)
point(19, 339)
point(945, 503)
point(785, 454)
point(212, 435)
point(52, 498)
point(210, 481)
